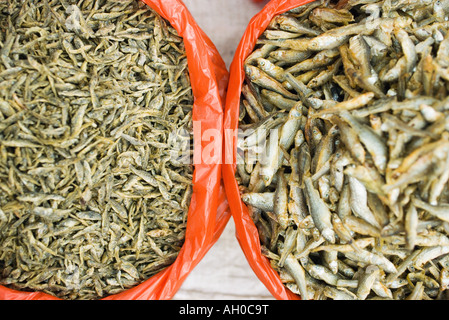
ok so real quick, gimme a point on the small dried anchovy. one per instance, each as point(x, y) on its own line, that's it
point(95, 97)
point(344, 156)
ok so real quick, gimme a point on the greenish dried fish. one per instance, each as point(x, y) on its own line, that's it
point(94, 96)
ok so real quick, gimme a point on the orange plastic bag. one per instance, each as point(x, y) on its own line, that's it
point(246, 231)
point(209, 211)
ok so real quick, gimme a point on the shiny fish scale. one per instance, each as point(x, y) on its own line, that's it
point(91, 93)
point(367, 175)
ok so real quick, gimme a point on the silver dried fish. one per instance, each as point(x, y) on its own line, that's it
point(368, 193)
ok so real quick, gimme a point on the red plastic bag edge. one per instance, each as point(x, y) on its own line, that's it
point(246, 232)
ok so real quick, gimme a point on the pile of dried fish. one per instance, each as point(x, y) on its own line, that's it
point(343, 157)
point(94, 97)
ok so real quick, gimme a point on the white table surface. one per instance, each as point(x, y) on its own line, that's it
point(224, 272)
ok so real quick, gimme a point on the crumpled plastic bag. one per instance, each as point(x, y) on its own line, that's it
point(209, 211)
point(246, 231)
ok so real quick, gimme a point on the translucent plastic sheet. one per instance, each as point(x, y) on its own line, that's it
point(209, 210)
point(246, 232)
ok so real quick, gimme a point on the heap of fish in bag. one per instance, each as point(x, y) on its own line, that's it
point(94, 97)
point(343, 154)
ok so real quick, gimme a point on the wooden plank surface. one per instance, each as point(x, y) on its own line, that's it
point(224, 272)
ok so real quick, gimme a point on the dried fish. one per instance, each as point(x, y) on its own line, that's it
point(367, 180)
point(95, 102)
